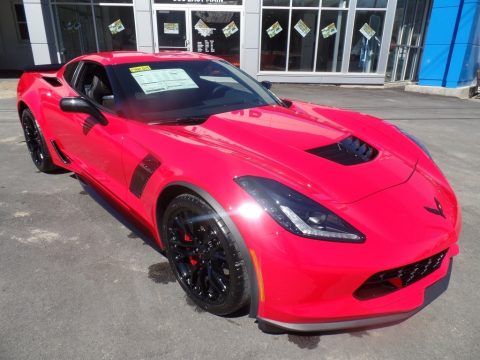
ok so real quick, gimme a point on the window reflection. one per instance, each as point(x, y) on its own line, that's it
point(305, 3)
point(225, 41)
point(366, 41)
point(302, 40)
point(372, 3)
point(335, 3)
point(276, 2)
point(274, 39)
point(75, 25)
point(331, 40)
point(115, 28)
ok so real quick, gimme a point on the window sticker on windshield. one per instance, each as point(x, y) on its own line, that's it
point(154, 81)
point(139, 68)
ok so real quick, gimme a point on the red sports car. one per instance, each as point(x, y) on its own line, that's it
point(315, 218)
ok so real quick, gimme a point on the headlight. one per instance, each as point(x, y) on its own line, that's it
point(416, 141)
point(297, 213)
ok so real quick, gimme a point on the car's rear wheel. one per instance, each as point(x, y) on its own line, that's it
point(203, 256)
point(36, 143)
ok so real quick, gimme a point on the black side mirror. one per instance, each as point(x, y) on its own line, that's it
point(266, 84)
point(79, 104)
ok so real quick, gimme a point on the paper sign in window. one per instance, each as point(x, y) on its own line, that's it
point(329, 30)
point(302, 28)
point(230, 29)
point(367, 31)
point(170, 28)
point(116, 27)
point(274, 29)
point(160, 80)
point(203, 29)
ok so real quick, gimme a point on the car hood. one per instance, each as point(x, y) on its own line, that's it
point(276, 140)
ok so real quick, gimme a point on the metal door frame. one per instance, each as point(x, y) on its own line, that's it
point(188, 13)
point(188, 25)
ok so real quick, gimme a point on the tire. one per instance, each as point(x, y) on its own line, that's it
point(36, 143)
point(203, 256)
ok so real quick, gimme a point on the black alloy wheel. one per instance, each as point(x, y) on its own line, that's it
point(36, 143)
point(203, 256)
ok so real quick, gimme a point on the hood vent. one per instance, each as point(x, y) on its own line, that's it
point(349, 151)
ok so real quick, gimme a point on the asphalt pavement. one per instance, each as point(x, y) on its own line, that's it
point(77, 284)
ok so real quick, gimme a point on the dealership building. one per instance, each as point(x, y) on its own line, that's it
point(433, 43)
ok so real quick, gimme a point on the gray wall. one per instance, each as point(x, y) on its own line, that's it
point(144, 26)
point(251, 43)
point(14, 53)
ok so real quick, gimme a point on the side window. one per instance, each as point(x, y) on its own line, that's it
point(69, 71)
point(94, 84)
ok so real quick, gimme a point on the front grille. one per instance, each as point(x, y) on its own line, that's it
point(385, 282)
point(349, 151)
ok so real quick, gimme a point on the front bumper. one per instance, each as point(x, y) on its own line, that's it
point(431, 293)
point(311, 284)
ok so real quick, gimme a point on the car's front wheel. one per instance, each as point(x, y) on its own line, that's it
point(36, 143)
point(203, 255)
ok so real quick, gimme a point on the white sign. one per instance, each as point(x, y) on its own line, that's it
point(367, 31)
point(116, 27)
point(302, 28)
point(274, 29)
point(206, 46)
point(203, 29)
point(230, 29)
point(154, 81)
point(170, 28)
point(329, 30)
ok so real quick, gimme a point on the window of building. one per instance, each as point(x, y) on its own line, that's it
point(21, 21)
point(85, 26)
point(275, 24)
point(303, 32)
point(366, 41)
point(330, 43)
point(310, 35)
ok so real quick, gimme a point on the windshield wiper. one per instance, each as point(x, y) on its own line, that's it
point(188, 120)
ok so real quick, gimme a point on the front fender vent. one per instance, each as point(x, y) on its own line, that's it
point(349, 151)
point(142, 173)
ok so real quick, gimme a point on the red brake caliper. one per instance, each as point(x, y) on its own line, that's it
point(187, 239)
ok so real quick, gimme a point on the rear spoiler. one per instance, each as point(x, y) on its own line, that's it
point(44, 68)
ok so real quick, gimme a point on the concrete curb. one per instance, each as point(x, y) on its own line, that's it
point(461, 92)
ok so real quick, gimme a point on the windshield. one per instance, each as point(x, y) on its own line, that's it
point(182, 90)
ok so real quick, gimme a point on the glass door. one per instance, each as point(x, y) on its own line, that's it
point(75, 29)
point(200, 29)
point(407, 40)
point(172, 30)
